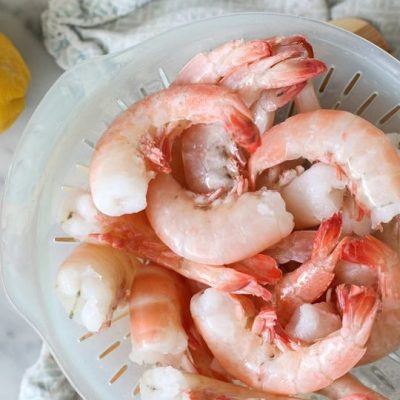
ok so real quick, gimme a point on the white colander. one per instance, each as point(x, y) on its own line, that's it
point(56, 147)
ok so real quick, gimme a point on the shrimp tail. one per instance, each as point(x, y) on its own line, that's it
point(266, 324)
point(280, 42)
point(243, 131)
point(295, 70)
point(359, 306)
point(250, 286)
point(327, 236)
point(262, 267)
point(367, 251)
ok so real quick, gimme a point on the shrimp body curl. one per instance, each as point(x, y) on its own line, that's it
point(119, 175)
point(354, 145)
point(223, 321)
point(224, 232)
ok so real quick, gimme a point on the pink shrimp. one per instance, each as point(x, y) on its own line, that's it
point(312, 322)
point(295, 247)
point(170, 384)
point(211, 67)
point(269, 101)
point(93, 281)
point(209, 155)
point(282, 70)
point(308, 282)
point(134, 234)
point(211, 160)
point(349, 388)
point(119, 176)
point(223, 232)
point(269, 361)
point(159, 312)
point(369, 251)
point(337, 137)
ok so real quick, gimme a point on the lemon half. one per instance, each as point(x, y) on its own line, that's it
point(14, 80)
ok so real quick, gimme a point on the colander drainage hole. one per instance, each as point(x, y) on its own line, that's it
point(326, 80)
point(366, 103)
point(143, 91)
point(82, 167)
point(395, 357)
point(109, 349)
point(118, 374)
point(337, 105)
point(382, 378)
point(164, 77)
point(389, 115)
point(88, 143)
point(121, 104)
point(65, 239)
point(349, 87)
point(87, 335)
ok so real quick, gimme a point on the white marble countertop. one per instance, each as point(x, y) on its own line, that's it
point(19, 344)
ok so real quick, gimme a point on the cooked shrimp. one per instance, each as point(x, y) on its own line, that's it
point(133, 234)
point(314, 195)
point(170, 384)
point(311, 322)
point(385, 335)
point(356, 147)
point(119, 176)
point(78, 215)
point(93, 281)
point(355, 274)
point(295, 247)
point(159, 311)
point(226, 231)
point(224, 322)
point(281, 70)
point(269, 101)
point(308, 282)
point(307, 99)
point(349, 388)
point(211, 159)
point(211, 67)
point(355, 220)
point(219, 62)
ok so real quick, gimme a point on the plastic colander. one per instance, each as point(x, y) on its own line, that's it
point(56, 147)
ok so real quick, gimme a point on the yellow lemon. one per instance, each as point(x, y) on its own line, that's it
point(14, 79)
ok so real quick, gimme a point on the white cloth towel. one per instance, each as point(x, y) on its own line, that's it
point(75, 30)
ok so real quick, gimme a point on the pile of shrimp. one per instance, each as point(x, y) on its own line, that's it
point(257, 260)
